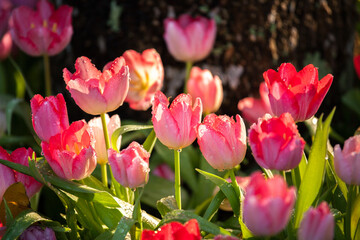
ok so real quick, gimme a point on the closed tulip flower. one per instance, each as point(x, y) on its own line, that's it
point(275, 142)
point(347, 161)
point(147, 76)
point(131, 166)
point(7, 177)
point(222, 141)
point(189, 39)
point(299, 93)
point(49, 115)
point(44, 31)
point(317, 224)
point(209, 89)
point(97, 92)
point(175, 127)
point(70, 153)
point(267, 205)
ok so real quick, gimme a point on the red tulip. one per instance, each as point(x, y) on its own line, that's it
point(45, 31)
point(357, 64)
point(317, 224)
point(7, 177)
point(175, 126)
point(347, 161)
point(209, 89)
point(131, 166)
point(267, 205)
point(147, 76)
point(97, 92)
point(70, 153)
point(189, 39)
point(222, 141)
point(254, 108)
point(174, 231)
point(299, 93)
point(276, 143)
point(49, 115)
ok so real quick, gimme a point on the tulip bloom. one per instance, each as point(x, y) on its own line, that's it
point(267, 205)
point(5, 46)
point(222, 141)
point(45, 31)
point(176, 126)
point(317, 224)
point(347, 161)
point(147, 76)
point(49, 115)
point(174, 231)
point(299, 93)
point(36, 232)
point(7, 177)
point(275, 142)
point(131, 166)
point(70, 153)
point(356, 61)
point(164, 171)
point(209, 89)
point(254, 108)
point(97, 92)
point(189, 39)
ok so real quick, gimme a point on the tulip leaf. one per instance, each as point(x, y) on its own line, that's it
point(214, 205)
point(150, 142)
point(124, 129)
point(123, 228)
point(313, 176)
point(109, 216)
point(17, 167)
point(355, 218)
point(226, 188)
point(166, 204)
point(21, 80)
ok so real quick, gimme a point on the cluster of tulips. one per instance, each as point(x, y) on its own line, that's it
point(322, 202)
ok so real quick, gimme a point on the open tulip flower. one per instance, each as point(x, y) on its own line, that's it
point(147, 76)
point(97, 92)
point(299, 93)
point(44, 31)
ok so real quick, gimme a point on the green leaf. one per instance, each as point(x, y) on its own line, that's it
point(123, 228)
point(355, 218)
point(297, 174)
point(109, 216)
point(313, 177)
point(214, 205)
point(150, 141)
point(20, 78)
point(166, 205)
point(124, 129)
point(17, 167)
point(8, 214)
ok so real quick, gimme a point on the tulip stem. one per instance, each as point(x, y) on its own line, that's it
point(107, 144)
point(47, 75)
point(137, 207)
point(234, 182)
point(177, 177)
point(187, 74)
point(347, 222)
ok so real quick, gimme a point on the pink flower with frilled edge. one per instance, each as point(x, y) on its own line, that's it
point(97, 92)
point(275, 142)
point(175, 231)
point(147, 76)
point(347, 161)
point(209, 89)
point(44, 31)
point(299, 93)
point(5, 46)
point(49, 115)
point(267, 204)
point(70, 153)
point(175, 127)
point(254, 108)
point(7, 176)
point(317, 224)
point(222, 141)
point(189, 39)
point(131, 166)
point(96, 127)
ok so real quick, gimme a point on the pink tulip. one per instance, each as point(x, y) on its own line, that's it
point(70, 153)
point(317, 224)
point(357, 64)
point(275, 142)
point(95, 125)
point(36, 232)
point(209, 89)
point(95, 92)
point(49, 115)
point(254, 108)
point(147, 76)
point(21, 156)
point(189, 39)
point(45, 31)
point(131, 166)
point(164, 171)
point(347, 161)
point(7, 176)
point(5, 12)
point(5, 46)
point(267, 205)
point(175, 127)
point(299, 93)
point(222, 141)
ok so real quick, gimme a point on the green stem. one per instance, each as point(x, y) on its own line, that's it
point(104, 177)
point(283, 174)
point(107, 144)
point(347, 222)
point(187, 74)
point(234, 182)
point(177, 177)
point(47, 75)
point(137, 207)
